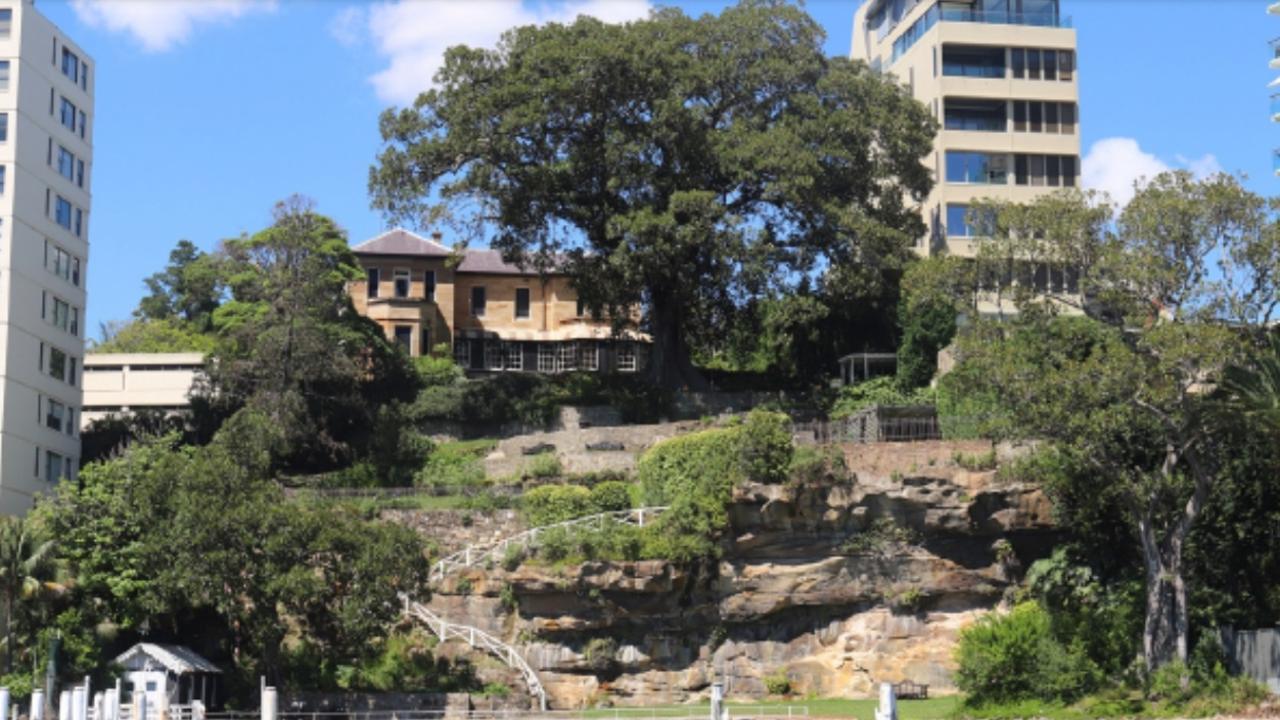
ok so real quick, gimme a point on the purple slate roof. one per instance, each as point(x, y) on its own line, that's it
point(490, 262)
point(401, 242)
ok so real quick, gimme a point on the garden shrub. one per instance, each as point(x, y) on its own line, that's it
point(610, 496)
point(600, 653)
point(455, 464)
point(543, 466)
point(877, 391)
point(549, 504)
point(766, 447)
point(1005, 658)
point(555, 544)
point(816, 464)
point(777, 683)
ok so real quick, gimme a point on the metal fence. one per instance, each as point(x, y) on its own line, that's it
point(892, 424)
point(382, 493)
point(675, 712)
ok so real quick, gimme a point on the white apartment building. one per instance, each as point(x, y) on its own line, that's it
point(1000, 76)
point(46, 124)
point(118, 384)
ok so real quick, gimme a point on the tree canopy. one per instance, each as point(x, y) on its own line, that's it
point(680, 165)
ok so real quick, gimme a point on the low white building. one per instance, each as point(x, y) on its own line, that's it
point(123, 383)
point(168, 675)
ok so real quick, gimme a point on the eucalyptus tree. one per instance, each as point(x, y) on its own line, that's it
point(675, 164)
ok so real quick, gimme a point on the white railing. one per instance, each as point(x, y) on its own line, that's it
point(483, 554)
point(479, 639)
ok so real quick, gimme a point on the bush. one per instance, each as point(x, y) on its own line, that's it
point(555, 545)
point(876, 391)
point(600, 653)
point(542, 466)
point(549, 504)
point(777, 683)
point(975, 463)
point(766, 447)
point(927, 327)
point(1005, 658)
point(455, 464)
point(610, 496)
point(813, 465)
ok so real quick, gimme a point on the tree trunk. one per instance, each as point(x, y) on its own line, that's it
point(1162, 641)
point(669, 363)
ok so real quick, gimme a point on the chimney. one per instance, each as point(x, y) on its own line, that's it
point(437, 235)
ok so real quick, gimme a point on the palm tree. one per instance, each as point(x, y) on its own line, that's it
point(1255, 390)
point(27, 569)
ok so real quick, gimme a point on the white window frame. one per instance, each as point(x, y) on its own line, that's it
point(567, 357)
point(398, 274)
point(589, 356)
point(546, 357)
point(462, 352)
point(627, 358)
point(493, 355)
point(513, 356)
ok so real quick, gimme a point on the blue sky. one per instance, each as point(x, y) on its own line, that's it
point(209, 112)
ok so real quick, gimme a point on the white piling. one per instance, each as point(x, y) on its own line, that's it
point(197, 710)
point(64, 705)
point(108, 710)
point(78, 706)
point(139, 706)
point(888, 709)
point(99, 703)
point(717, 701)
point(4, 703)
point(118, 697)
point(270, 701)
point(162, 704)
point(37, 705)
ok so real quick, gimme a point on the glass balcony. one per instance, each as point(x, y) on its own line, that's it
point(997, 17)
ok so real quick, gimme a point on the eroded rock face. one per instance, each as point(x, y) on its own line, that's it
point(808, 583)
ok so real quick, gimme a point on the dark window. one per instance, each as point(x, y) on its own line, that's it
point(1036, 171)
point(1067, 118)
point(429, 285)
point(1050, 65)
point(424, 347)
point(581, 308)
point(979, 115)
point(1033, 64)
point(477, 301)
point(1019, 62)
point(1020, 169)
point(401, 283)
point(1037, 119)
point(1068, 171)
point(522, 302)
point(1019, 116)
point(1051, 117)
point(1066, 64)
point(977, 168)
point(973, 61)
point(404, 337)
point(1053, 170)
point(371, 282)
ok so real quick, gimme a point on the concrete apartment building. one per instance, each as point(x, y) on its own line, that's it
point(1000, 76)
point(46, 158)
point(495, 316)
point(119, 383)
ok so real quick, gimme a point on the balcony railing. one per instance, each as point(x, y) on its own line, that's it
point(997, 17)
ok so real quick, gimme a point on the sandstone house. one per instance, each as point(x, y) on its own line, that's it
point(497, 317)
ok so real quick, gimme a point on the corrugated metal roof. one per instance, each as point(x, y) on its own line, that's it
point(177, 659)
point(401, 242)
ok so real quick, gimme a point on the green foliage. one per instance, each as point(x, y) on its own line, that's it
point(777, 683)
point(766, 448)
point(876, 391)
point(542, 466)
point(610, 496)
point(975, 462)
point(770, 127)
point(883, 537)
point(495, 690)
point(549, 504)
point(455, 464)
point(153, 336)
point(927, 317)
point(810, 465)
point(600, 653)
point(1004, 658)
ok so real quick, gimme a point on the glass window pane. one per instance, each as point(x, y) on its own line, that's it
point(1066, 63)
point(1033, 64)
point(1050, 65)
point(1037, 124)
point(1019, 61)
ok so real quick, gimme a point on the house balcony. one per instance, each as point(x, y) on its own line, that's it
point(1004, 17)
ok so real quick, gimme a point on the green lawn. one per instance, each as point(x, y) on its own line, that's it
point(937, 708)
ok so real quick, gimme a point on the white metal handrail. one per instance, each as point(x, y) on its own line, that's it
point(484, 553)
point(477, 638)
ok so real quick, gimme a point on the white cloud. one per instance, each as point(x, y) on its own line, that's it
point(347, 26)
point(413, 36)
point(1115, 165)
point(161, 24)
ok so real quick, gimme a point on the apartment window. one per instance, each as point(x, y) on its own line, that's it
point(84, 122)
point(1050, 61)
point(462, 353)
point(401, 278)
point(1018, 61)
point(2, 178)
point(477, 301)
point(371, 282)
point(546, 357)
point(4, 75)
point(424, 340)
point(66, 164)
point(1035, 116)
point(55, 415)
point(62, 212)
point(589, 356)
point(1066, 65)
point(71, 65)
point(977, 115)
point(57, 364)
point(1045, 170)
point(627, 360)
point(977, 168)
point(60, 314)
point(6, 22)
point(404, 338)
point(1051, 117)
point(522, 303)
point(568, 357)
point(1053, 170)
point(513, 356)
point(1036, 169)
point(972, 61)
point(61, 263)
point(492, 355)
point(429, 285)
point(1067, 118)
point(960, 224)
point(1068, 171)
point(68, 115)
point(79, 173)
point(55, 466)
point(84, 76)
point(4, 127)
